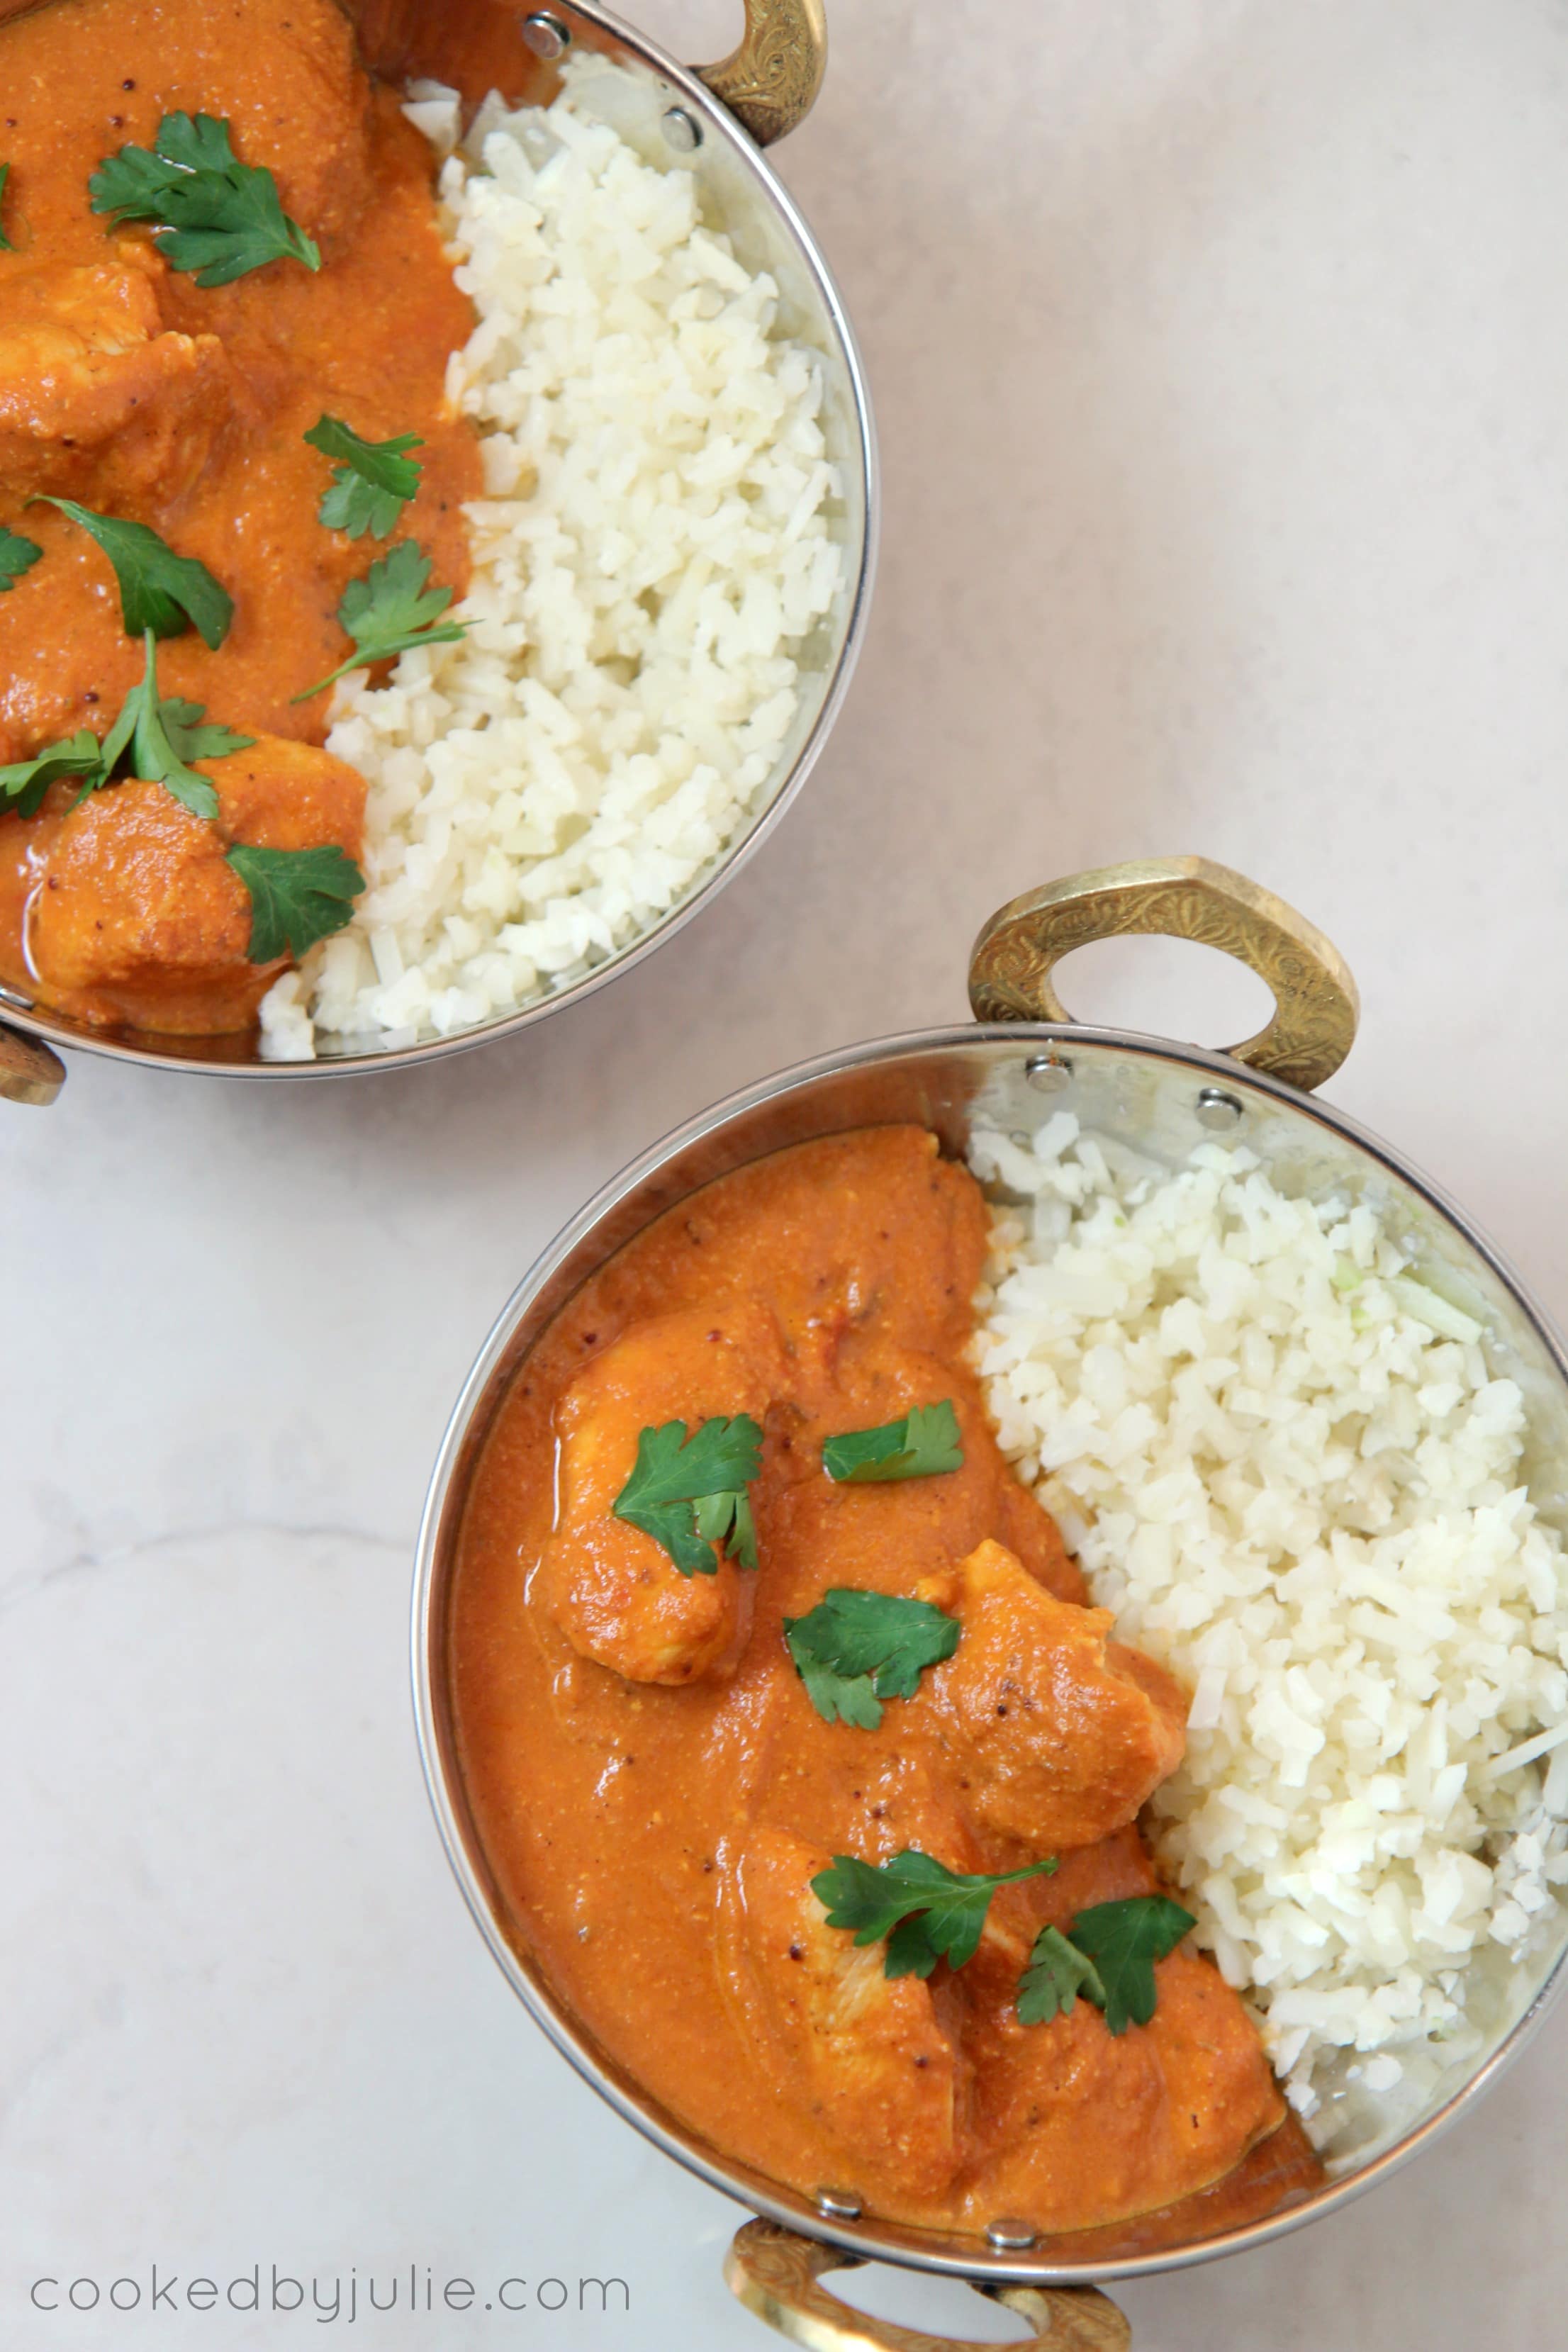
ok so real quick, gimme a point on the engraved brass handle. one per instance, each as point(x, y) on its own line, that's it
point(775, 2274)
point(770, 82)
point(29, 1072)
point(1315, 1000)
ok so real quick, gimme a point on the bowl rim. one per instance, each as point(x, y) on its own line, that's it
point(694, 94)
point(891, 2242)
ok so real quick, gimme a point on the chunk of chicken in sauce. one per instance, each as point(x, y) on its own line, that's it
point(98, 401)
point(134, 908)
point(870, 2053)
point(615, 1593)
point(1130, 2120)
point(1062, 1733)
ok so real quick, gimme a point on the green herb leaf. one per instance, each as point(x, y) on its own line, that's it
point(297, 896)
point(690, 1494)
point(925, 1911)
point(372, 485)
point(16, 554)
point(922, 1445)
point(855, 1648)
point(1058, 1972)
point(158, 590)
point(156, 736)
point(1125, 1940)
point(837, 1698)
point(190, 739)
point(390, 611)
point(726, 1520)
point(219, 218)
point(152, 756)
point(23, 785)
point(5, 244)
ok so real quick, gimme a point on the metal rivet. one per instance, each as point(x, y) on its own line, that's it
point(683, 131)
point(838, 2204)
point(1011, 2237)
point(547, 37)
point(1049, 1073)
point(1220, 1111)
point(15, 996)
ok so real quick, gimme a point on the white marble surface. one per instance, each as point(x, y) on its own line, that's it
point(1222, 361)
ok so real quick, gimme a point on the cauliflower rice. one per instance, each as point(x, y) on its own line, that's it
point(1284, 1463)
point(652, 551)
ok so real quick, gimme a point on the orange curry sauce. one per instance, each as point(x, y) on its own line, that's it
point(654, 1790)
point(126, 386)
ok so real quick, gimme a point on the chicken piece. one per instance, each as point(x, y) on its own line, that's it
point(614, 1592)
point(1085, 2120)
point(867, 2055)
point(136, 903)
point(1061, 1733)
point(97, 403)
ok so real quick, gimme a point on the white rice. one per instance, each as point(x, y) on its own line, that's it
point(1284, 1462)
point(652, 551)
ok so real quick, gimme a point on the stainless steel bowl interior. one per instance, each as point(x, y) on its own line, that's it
point(1146, 1094)
point(626, 80)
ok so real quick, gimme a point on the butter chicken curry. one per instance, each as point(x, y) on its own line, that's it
point(216, 239)
point(802, 1765)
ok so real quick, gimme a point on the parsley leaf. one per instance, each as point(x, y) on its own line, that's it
point(216, 216)
point(855, 1648)
point(189, 740)
point(374, 484)
point(926, 1911)
point(922, 1445)
point(297, 896)
point(141, 726)
point(5, 244)
point(16, 554)
point(1121, 1942)
point(154, 737)
point(158, 590)
point(1056, 1973)
point(690, 1494)
point(390, 611)
point(23, 785)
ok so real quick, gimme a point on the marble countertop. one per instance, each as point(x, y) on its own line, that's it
point(1221, 360)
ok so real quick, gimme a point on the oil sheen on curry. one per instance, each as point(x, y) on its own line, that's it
point(715, 1800)
point(141, 392)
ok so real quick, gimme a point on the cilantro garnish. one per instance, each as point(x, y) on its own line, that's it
point(16, 554)
point(372, 486)
point(5, 244)
point(24, 784)
point(190, 739)
point(690, 1494)
point(855, 1648)
point(158, 590)
point(142, 736)
point(297, 896)
point(152, 737)
point(927, 1912)
point(390, 611)
point(1056, 1973)
point(922, 1445)
point(216, 216)
point(1109, 1955)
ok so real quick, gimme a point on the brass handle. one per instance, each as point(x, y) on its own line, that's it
point(29, 1072)
point(775, 2274)
point(1315, 1000)
point(770, 82)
